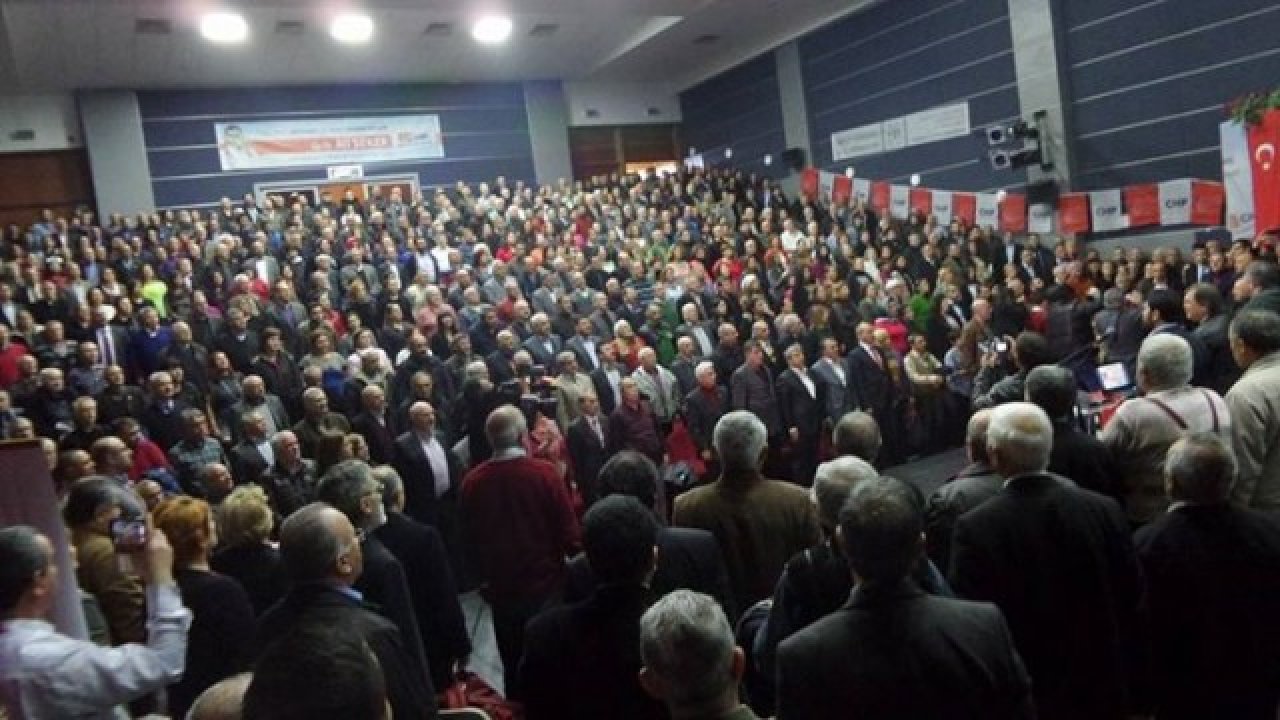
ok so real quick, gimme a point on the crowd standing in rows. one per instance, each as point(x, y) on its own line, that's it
point(335, 417)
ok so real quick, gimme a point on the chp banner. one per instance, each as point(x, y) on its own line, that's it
point(328, 141)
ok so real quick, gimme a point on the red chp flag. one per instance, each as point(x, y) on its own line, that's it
point(965, 207)
point(922, 201)
point(1264, 157)
point(1073, 213)
point(841, 189)
point(880, 196)
point(1013, 213)
point(809, 182)
point(1143, 204)
point(1207, 202)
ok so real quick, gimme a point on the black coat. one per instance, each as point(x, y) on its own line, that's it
point(702, 412)
point(421, 502)
point(1212, 577)
point(797, 407)
point(247, 464)
point(896, 652)
point(1059, 562)
point(588, 453)
point(875, 388)
point(379, 436)
point(409, 690)
point(384, 585)
point(258, 570)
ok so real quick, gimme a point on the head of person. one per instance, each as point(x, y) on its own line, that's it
point(217, 481)
point(741, 442)
point(753, 352)
point(795, 356)
point(351, 488)
point(1164, 362)
point(393, 497)
point(317, 670)
point(1201, 302)
point(620, 537)
point(161, 384)
point(631, 474)
point(506, 428)
point(315, 403)
point(319, 545)
point(422, 416)
point(188, 524)
point(194, 426)
point(881, 531)
point(858, 434)
point(1031, 350)
point(1019, 439)
point(1260, 276)
point(245, 518)
point(1053, 388)
point(286, 447)
point(630, 391)
point(85, 412)
point(93, 502)
point(223, 700)
point(648, 359)
point(706, 375)
point(975, 437)
point(1254, 334)
point(1200, 468)
point(832, 484)
point(28, 573)
point(1162, 306)
point(688, 656)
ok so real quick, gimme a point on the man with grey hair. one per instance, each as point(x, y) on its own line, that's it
point(317, 421)
point(858, 434)
point(1058, 561)
point(972, 486)
point(1255, 409)
point(1212, 573)
point(523, 502)
point(1143, 428)
point(689, 659)
point(1076, 454)
point(866, 658)
point(703, 408)
point(322, 552)
point(759, 523)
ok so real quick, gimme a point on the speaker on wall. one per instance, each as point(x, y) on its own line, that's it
point(1044, 192)
point(794, 158)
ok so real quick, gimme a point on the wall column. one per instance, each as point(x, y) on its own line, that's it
point(548, 114)
point(118, 162)
point(1035, 58)
point(795, 113)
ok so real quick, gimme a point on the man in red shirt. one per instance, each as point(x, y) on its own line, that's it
point(518, 526)
point(10, 352)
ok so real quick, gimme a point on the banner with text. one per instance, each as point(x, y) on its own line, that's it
point(328, 141)
point(926, 126)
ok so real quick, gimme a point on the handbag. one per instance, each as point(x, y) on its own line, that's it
point(471, 691)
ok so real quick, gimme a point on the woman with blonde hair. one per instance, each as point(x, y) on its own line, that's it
point(245, 524)
point(222, 625)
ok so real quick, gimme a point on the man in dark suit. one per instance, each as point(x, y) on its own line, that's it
point(163, 415)
point(430, 470)
point(542, 345)
point(585, 346)
point(253, 456)
point(1076, 455)
point(893, 651)
point(607, 378)
point(702, 333)
point(597, 641)
point(350, 488)
point(114, 345)
point(972, 486)
point(1212, 573)
point(322, 594)
point(868, 371)
point(703, 408)
point(422, 553)
point(1058, 561)
point(1203, 305)
point(685, 365)
point(801, 404)
point(587, 438)
point(728, 355)
point(373, 423)
point(831, 371)
point(1007, 252)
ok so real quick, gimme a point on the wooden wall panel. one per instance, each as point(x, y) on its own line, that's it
point(55, 179)
point(601, 150)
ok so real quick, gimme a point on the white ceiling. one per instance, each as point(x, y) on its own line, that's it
point(72, 44)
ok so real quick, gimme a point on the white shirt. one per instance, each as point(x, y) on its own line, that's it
point(838, 369)
point(267, 452)
point(439, 463)
point(808, 382)
point(49, 675)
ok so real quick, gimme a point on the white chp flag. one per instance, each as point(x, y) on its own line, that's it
point(899, 201)
point(862, 190)
point(1040, 218)
point(1104, 206)
point(1175, 202)
point(1237, 177)
point(942, 206)
point(826, 183)
point(987, 209)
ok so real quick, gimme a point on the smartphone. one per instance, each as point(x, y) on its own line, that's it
point(1002, 347)
point(129, 536)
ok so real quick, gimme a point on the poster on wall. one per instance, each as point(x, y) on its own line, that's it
point(926, 126)
point(328, 141)
point(857, 142)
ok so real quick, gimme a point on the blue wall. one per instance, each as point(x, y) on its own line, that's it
point(905, 56)
point(485, 131)
point(1148, 81)
point(739, 108)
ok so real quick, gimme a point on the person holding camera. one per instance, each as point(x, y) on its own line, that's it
point(1029, 351)
point(46, 674)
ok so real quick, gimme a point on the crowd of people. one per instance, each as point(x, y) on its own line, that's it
point(648, 419)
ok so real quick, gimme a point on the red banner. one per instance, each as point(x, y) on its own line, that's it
point(1208, 199)
point(965, 207)
point(1013, 213)
point(809, 182)
point(1264, 154)
point(1073, 213)
point(880, 196)
point(922, 201)
point(1142, 203)
point(841, 189)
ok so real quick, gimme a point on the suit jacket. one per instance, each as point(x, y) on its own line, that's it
point(1221, 371)
point(409, 688)
point(689, 330)
point(1212, 574)
point(433, 590)
point(247, 464)
point(1059, 562)
point(379, 436)
point(896, 652)
point(875, 388)
point(971, 487)
point(596, 643)
point(588, 453)
point(421, 503)
point(604, 390)
point(271, 405)
point(578, 347)
point(538, 350)
point(164, 428)
point(797, 407)
point(701, 413)
point(838, 398)
point(686, 374)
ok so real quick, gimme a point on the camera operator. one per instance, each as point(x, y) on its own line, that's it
point(1029, 351)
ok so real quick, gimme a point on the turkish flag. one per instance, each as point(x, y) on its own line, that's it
point(1207, 202)
point(1264, 158)
point(1142, 202)
point(880, 196)
point(1013, 213)
point(841, 189)
point(965, 207)
point(809, 182)
point(1073, 213)
point(922, 201)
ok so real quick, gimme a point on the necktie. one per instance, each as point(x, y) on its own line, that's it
point(108, 352)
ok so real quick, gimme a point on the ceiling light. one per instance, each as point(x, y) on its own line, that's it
point(351, 28)
point(915, 180)
point(492, 30)
point(224, 27)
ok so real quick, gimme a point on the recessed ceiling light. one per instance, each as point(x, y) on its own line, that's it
point(352, 28)
point(492, 30)
point(224, 27)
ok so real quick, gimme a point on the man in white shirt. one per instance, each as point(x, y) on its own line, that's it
point(44, 674)
point(425, 465)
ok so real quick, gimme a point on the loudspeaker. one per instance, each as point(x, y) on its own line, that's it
point(997, 135)
point(794, 158)
point(1044, 192)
